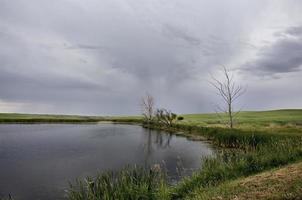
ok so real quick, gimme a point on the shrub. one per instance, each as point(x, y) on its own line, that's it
point(179, 118)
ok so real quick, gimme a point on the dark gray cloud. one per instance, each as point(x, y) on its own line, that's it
point(295, 31)
point(100, 57)
point(282, 56)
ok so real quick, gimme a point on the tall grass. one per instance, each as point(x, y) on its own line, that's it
point(138, 183)
point(229, 165)
point(223, 137)
point(131, 183)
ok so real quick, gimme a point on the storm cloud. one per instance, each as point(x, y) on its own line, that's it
point(99, 57)
point(282, 56)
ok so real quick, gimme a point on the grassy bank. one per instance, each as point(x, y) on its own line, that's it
point(233, 165)
point(129, 183)
point(224, 137)
point(229, 165)
point(277, 184)
point(245, 152)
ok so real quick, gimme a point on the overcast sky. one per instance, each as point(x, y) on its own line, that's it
point(98, 57)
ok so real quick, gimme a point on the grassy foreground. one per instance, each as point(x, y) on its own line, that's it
point(245, 152)
point(216, 172)
point(129, 183)
point(279, 183)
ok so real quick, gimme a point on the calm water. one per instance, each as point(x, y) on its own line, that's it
point(37, 161)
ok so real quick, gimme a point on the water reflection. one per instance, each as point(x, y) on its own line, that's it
point(48, 156)
point(156, 140)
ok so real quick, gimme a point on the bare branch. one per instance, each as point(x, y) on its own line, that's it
point(229, 91)
point(147, 105)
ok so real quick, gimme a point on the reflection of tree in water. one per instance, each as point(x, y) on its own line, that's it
point(157, 138)
point(163, 140)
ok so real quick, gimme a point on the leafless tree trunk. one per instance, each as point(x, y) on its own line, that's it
point(229, 91)
point(147, 104)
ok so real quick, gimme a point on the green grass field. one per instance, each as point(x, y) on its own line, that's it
point(36, 118)
point(251, 117)
point(274, 119)
point(46, 118)
point(278, 121)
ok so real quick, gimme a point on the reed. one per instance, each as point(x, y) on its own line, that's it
point(135, 183)
point(230, 165)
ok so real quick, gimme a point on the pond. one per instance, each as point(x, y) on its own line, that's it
point(37, 161)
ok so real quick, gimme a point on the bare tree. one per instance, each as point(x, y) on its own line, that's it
point(229, 91)
point(147, 105)
point(165, 117)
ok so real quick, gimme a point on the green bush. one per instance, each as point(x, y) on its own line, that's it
point(180, 118)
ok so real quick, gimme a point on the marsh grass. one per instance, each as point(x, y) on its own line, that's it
point(223, 137)
point(230, 165)
point(131, 183)
point(243, 153)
